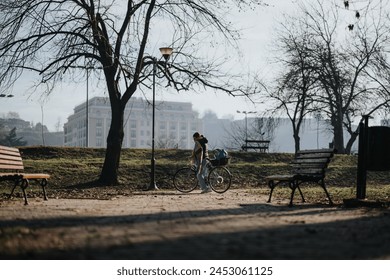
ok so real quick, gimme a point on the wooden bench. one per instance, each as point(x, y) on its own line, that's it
point(12, 164)
point(308, 166)
point(260, 145)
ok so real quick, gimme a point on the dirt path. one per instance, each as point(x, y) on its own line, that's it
point(167, 225)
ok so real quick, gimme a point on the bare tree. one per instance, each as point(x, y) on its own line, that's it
point(57, 39)
point(342, 67)
point(13, 115)
point(58, 124)
point(296, 82)
point(257, 128)
point(264, 128)
point(336, 70)
point(236, 134)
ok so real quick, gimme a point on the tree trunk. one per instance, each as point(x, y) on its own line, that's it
point(351, 140)
point(109, 173)
point(339, 136)
point(297, 141)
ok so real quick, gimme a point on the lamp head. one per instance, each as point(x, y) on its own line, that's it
point(166, 52)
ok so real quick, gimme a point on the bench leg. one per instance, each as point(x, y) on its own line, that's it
point(271, 185)
point(299, 189)
point(13, 189)
point(43, 184)
point(292, 186)
point(24, 185)
point(327, 194)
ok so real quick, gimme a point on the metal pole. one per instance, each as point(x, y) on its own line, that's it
point(166, 52)
point(87, 116)
point(153, 160)
point(362, 159)
point(246, 126)
point(43, 137)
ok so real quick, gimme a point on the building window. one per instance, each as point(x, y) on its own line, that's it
point(163, 125)
point(133, 123)
point(99, 122)
point(99, 132)
point(99, 142)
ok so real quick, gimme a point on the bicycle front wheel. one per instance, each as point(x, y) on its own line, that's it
point(220, 179)
point(185, 180)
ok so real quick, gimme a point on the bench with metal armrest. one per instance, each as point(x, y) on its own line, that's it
point(308, 166)
point(12, 164)
point(261, 145)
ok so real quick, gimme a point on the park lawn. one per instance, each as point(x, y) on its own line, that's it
point(74, 172)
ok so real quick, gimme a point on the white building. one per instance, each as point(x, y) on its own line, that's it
point(175, 123)
point(385, 122)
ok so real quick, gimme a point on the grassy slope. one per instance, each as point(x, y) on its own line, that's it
point(73, 170)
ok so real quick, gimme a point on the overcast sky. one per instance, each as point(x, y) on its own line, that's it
point(256, 46)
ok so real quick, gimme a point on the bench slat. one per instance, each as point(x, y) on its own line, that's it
point(327, 151)
point(313, 172)
point(314, 157)
point(9, 149)
point(11, 160)
point(11, 167)
point(9, 155)
point(311, 160)
point(7, 176)
point(35, 176)
point(280, 177)
point(309, 166)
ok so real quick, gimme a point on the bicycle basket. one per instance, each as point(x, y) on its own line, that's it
point(220, 162)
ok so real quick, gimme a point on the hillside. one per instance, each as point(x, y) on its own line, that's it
point(75, 170)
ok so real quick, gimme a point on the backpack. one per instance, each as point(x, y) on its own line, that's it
point(220, 154)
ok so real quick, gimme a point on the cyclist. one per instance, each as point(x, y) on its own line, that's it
point(199, 158)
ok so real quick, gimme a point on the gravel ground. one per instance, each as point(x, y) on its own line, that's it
point(238, 224)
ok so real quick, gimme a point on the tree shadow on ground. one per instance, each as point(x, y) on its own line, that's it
point(360, 238)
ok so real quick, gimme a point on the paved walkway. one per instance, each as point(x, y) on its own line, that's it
point(169, 225)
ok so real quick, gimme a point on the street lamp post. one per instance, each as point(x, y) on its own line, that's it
point(166, 53)
point(246, 121)
point(87, 68)
point(87, 112)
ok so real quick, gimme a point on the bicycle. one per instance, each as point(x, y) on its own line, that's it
point(219, 177)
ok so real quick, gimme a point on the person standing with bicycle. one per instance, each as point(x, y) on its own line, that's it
point(199, 157)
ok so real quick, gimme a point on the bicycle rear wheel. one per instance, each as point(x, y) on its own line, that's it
point(185, 180)
point(220, 179)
